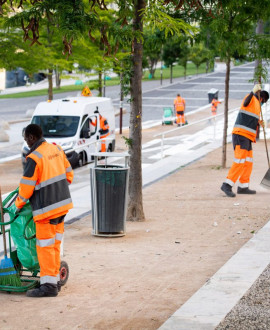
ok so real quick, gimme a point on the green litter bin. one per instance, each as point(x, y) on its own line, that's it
point(109, 187)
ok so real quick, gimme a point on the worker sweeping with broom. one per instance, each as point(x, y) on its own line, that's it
point(243, 134)
point(45, 181)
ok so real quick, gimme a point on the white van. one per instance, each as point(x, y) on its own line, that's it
point(67, 122)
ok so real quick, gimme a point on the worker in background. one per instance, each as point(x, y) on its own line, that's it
point(179, 108)
point(44, 183)
point(215, 103)
point(104, 129)
point(243, 134)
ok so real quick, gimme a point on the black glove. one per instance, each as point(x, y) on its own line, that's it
point(100, 131)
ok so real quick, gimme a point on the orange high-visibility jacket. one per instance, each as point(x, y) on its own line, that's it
point(215, 104)
point(104, 127)
point(247, 119)
point(45, 182)
point(179, 103)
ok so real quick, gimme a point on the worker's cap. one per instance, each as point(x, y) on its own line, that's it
point(257, 88)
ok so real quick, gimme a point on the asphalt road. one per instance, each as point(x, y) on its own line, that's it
point(155, 96)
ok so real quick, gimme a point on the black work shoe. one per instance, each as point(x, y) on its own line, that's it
point(59, 286)
point(227, 189)
point(45, 290)
point(245, 191)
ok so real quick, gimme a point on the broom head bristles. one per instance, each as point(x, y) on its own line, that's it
point(8, 274)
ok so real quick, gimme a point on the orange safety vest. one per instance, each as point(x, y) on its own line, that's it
point(215, 104)
point(179, 104)
point(247, 119)
point(47, 189)
point(104, 126)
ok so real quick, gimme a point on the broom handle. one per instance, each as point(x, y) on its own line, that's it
point(3, 226)
point(265, 140)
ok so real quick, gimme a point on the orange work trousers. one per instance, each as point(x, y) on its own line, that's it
point(243, 161)
point(103, 146)
point(103, 142)
point(49, 235)
point(180, 118)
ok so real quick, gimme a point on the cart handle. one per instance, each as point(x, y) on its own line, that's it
point(12, 196)
point(9, 222)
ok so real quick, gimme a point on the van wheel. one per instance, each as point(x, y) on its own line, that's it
point(81, 160)
point(110, 148)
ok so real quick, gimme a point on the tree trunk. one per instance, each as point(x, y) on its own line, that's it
point(207, 66)
point(135, 203)
point(57, 79)
point(258, 65)
point(226, 108)
point(185, 71)
point(99, 83)
point(258, 62)
point(171, 73)
point(153, 65)
point(50, 84)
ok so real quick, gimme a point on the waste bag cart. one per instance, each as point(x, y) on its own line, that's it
point(212, 94)
point(109, 188)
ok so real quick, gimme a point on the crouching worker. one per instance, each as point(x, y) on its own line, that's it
point(45, 183)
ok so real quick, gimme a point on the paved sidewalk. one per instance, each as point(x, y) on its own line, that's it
point(206, 309)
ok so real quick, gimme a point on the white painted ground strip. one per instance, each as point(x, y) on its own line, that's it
point(213, 301)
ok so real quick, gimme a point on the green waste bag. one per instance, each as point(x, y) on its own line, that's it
point(21, 228)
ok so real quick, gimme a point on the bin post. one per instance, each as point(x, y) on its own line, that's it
point(109, 189)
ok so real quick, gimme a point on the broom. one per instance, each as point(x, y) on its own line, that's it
point(8, 274)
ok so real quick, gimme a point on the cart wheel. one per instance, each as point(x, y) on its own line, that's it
point(63, 272)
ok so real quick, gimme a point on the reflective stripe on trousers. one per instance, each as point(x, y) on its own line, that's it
point(180, 119)
point(241, 168)
point(48, 242)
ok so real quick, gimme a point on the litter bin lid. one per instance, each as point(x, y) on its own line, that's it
point(212, 91)
point(110, 154)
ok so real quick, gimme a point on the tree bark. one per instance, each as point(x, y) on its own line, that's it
point(57, 79)
point(258, 62)
point(135, 204)
point(99, 83)
point(153, 65)
point(226, 108)
point(50, 84)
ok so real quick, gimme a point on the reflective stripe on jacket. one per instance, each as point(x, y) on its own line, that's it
point(247, 119)
point(179, 104)
point(45, 182)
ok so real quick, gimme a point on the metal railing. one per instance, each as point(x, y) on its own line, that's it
point(212, 118)
point(96, 142)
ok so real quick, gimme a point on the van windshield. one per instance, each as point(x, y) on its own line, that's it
point(57, 126)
